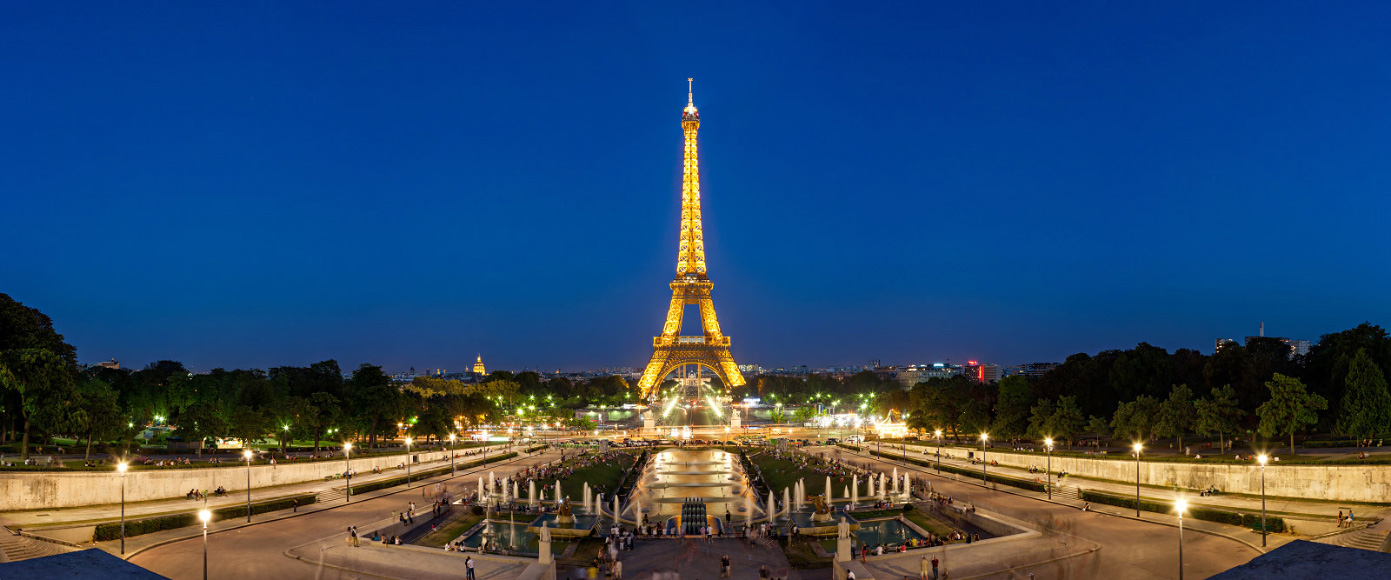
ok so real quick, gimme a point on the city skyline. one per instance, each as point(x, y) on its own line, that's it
point(950, 182)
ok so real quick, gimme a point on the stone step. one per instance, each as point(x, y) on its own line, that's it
point(15, 547)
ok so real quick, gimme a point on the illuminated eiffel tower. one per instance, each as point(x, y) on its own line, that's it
point(691, 286)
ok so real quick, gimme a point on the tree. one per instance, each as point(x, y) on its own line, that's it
point(43, 382)
point(1289, 408)
point(95, 413)
point(804, 414)
point(1218, 414)
point(1136, 418)
point(1176, 414)
point(1067, 419)
point(777, 416)
point(1012, 407)
point(375, 402)
point(1366, 408)
point(1041, 419)
point(1100, 427)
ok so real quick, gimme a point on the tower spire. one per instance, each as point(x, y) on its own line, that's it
point(690, 91)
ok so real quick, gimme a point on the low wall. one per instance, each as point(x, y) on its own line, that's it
point(1361, 483)
point(21, 490)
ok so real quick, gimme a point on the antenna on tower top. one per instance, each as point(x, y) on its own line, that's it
point(690, 90)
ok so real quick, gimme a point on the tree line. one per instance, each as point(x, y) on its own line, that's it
point(46, 393)
point(1147, 392)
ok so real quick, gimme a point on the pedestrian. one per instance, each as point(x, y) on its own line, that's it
point(468, 563)
point(724, 566)
point(922, 568)
point(618, 570)
point(934, 568)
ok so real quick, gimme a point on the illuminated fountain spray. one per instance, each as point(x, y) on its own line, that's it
point(588, 499)
point(786, 502)
point(531, 493)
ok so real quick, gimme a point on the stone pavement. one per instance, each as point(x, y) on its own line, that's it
point(1311, 517)
point(695, 559)
point(416, 492)
point(90, 515)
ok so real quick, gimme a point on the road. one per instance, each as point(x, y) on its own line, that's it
point(257, 551)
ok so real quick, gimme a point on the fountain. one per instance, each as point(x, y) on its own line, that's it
point(854, 491)
point(588, 506)
point(531, 493)
point(786, 502)
point(567, 524)
point(772, 507)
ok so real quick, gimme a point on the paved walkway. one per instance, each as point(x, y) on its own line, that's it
point(90, 515)
point(1313, 516)
point(312, 544)
point(1128, 547)
point(694, 559)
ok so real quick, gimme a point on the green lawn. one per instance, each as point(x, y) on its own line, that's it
point(783, 473)
point(451, 530)
point(601, 476)
point(801, 554)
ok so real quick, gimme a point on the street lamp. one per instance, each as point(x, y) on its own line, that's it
point(408, 461)
point(348, 471)
point(1138, 447)
point(984, 437)
point(247, 455)
point(1262, 459)
point(939, 451)
point(1048, 444)
point(121, 467)
point(205, 515)
point(1180, 506)
point(452, 437)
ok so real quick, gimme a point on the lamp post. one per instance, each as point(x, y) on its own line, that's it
point(121, 467)
point(408, 461)
point(1137, 448)
point(984, 437)
point(1180, 506)
point(348, 471)
point(1262, 459)
point(247, 455)
point(451, 454)
point(1048, 444)
point(205, 515)
point(939, 451)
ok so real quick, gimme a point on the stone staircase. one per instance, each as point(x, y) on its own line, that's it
point(1362, 539)
point(332, 495)
point(14, 547)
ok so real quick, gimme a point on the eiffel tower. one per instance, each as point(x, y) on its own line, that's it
point(672, 351)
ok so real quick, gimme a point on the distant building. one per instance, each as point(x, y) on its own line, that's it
point(982, 372)
point(915, 374)
point(1297, 347)
point(478, 367)
point(112, 364)
point(1221, 342)
point(1030, 370)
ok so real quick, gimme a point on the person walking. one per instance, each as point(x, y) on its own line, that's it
point(934, 568)
point(617, 570)
point(724, 566)
point(468, 564)
point(922, 568)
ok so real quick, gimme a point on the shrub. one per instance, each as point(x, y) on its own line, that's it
point(112, 531)
point(1275, 524)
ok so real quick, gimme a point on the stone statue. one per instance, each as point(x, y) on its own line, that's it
point(546, 532)
point(843, 530)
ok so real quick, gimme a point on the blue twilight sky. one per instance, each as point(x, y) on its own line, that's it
point(266, 183)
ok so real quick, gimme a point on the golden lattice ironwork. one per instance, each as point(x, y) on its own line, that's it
point(691, 286)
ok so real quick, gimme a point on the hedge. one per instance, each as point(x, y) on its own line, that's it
point(415, 476)
point(1019, 483)
point(112, 531)
point(1275, 524)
